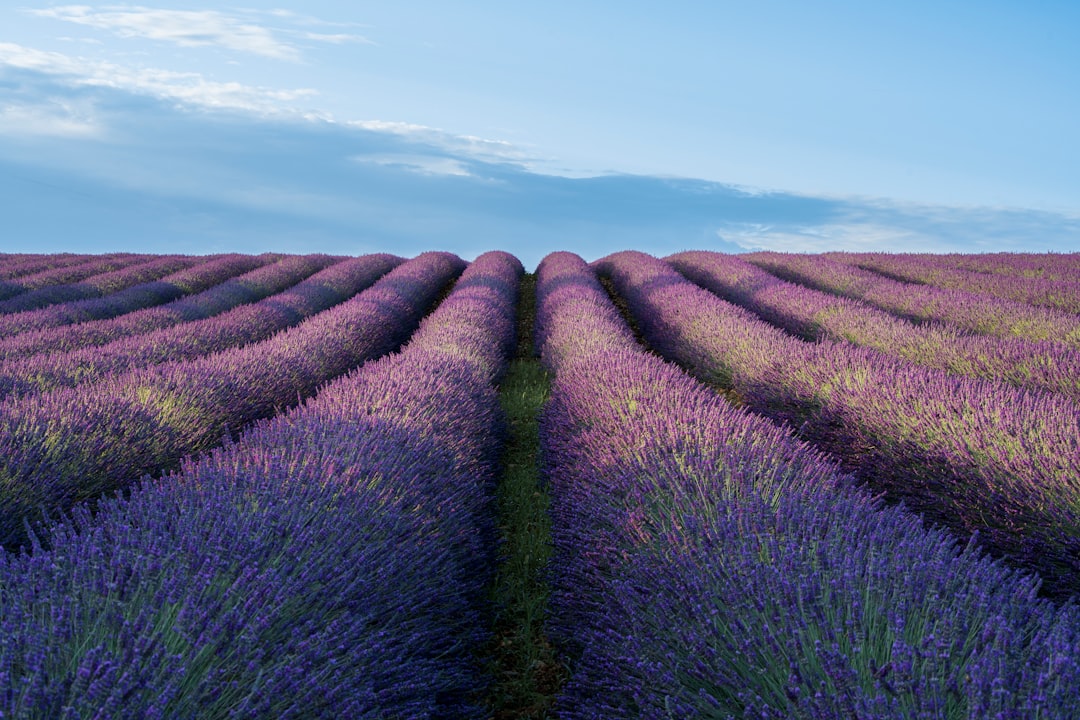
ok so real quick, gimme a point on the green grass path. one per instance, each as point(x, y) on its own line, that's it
point(524, 665)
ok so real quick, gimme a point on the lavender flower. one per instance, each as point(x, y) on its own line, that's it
point(710, 564)
point(331, 563)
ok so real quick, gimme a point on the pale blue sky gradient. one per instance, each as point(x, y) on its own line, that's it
point(532, 127)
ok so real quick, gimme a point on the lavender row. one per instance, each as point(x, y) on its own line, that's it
point(815, 315)
point(1063, 295)
point(64, 274)
point(1049, 266)
point(16, 266)
point(708, 564)
point(975, 454)
point(922, 303)
point(75, 444)
point(98, 285)
point(331, 564)
point(243, 325)
point(204, 273)
point(11, 264)
point(250, 287)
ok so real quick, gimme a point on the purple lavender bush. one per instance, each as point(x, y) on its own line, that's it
point(974, 454)
point(244, 325)
point(76, 444)
point(1062, 293)
point(232, 292)
point(1049, 266)
point(64, 273)
point(98, 285)
point(817, 315)
point(709, 564)
point(922, 303)
point(205, 273)
point(330, 564)
point(13, 266)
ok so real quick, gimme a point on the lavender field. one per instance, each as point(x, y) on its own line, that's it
point(758, 486)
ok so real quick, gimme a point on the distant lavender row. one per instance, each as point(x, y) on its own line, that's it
point(708, 564)
point(11, 264)
point(975, 313)
point(100, 284)
point(975, 454)
point(1050, 266)
point(249, 287)
point(1054, 293)
point(204, 273)
point(64, 274)
point(246, 324)
point(15, 266)
point(814, 314)
point(331, 564)
point(75, 444)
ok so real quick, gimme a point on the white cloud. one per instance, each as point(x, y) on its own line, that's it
point(48, 119)
point(198, 28)
point(185, 87)
point(854, 237)
point(470, 145)
point(336, 38)
point(421, 164)
point(195, 90)
point(187, 28)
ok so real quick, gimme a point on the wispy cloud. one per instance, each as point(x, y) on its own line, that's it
point(335, 38)
point(854, 237)
point(475, 147)
point(432, 150)
point(187, 28)
point(422, 164)
point(48, 119)
point(184, 87)
point(196, 28)
point(282, 184)
point(872, 224)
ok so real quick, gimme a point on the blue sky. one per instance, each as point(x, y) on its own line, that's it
point(353, 127)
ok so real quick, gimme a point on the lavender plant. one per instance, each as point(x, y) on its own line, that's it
point(974, 454)
point(97, 285)
point(205, 273)
point(65, 273)
point(330, 564)
point(75, 444)
point(246, 324)
point(709, 564)
point(1049, 266)
point(816, 315)
point(922, 303)
point(225, 295)
point(13, 266)
point(1060, 293)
